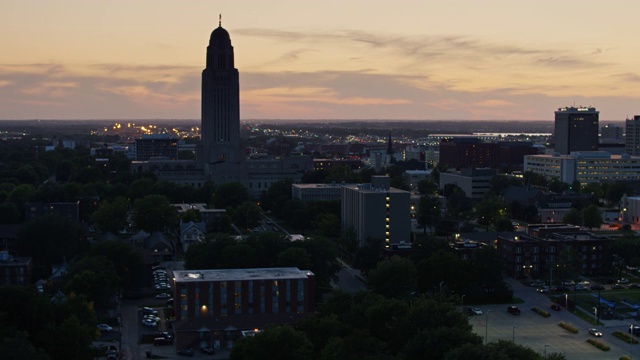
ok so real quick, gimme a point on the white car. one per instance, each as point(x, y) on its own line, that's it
point(476, 311)
point(623, 281)
point(149, 311)
point(105, 327)
point(153, 318)
point(149, 322)
point(595, 332)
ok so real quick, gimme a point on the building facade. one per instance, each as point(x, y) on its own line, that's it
point(212, 307)
point(474, 182)
point(317, 192)
point(586, 167)
point(537, 252)
point(632, 136)
point(576, 129)
point(14, 270)
point(156, 145)
point(376, 210)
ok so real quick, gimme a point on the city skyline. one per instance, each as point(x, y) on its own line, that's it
point(459, 60)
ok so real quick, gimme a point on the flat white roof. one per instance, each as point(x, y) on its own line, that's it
point(240, 274)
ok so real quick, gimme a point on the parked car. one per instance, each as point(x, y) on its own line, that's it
point(568, 283)
point(153, 318)
point(580, 287)
point(186, 352)
point(618, 287)
point(207, 350)
point(634, 286)
point(537, 283)
point(543, 290)
point(149, 322)
point(595, 332)
point(513, 310)
point(467, 311)
point(476, 311)
point(622, 281)
point(635, 330)
point(159, 341)
point(556, 307)
point(149, 311)
point(597, 287)
point(105, 327)
point(163, 296)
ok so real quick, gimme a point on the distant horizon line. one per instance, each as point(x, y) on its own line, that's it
point(298, 120)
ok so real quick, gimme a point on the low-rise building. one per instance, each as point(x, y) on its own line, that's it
point(474, 182)
point(213, 307)
point(536, 253)
point(14, 270)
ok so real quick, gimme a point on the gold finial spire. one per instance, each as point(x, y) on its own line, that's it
point(220, 20)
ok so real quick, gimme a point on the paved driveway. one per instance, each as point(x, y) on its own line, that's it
point(535, 331)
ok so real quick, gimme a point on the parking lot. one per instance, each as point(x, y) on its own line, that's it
point(540, 333)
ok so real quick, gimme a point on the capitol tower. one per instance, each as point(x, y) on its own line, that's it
point(221, 149)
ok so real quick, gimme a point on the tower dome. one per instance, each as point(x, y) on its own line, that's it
point(220, 37)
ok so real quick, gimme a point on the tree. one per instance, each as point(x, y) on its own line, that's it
point(573, 217)
point(490, 210)
point(394, 277)
point(88, 283)
point(280, 342)
point(427, 187)
point(230, 195)
point(328, 225)
point(111, 216)
point(247, 215)
point(428, 211)
point(154, 213)
point(294, 257)
point(576, 186)
point(50, 239)
point(592, 216)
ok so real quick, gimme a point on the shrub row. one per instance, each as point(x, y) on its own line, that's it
point(625, 337)
point(600, 345)
point(540, 312)
point(568, 327)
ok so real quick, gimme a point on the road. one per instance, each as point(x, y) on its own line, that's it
point(349, 279)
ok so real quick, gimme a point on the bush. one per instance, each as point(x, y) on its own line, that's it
point(540, 312)
point(599, 345)
point(568, 327)
point(625, 357)
point(625, 337)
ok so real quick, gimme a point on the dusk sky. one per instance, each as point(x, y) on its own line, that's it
point(347, 59)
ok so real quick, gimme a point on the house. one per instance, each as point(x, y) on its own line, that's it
point(191, 233)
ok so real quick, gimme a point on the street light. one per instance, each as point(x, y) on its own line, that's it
point(486, 327)
point(545, 350)
point(566, 300)
point(513, 335)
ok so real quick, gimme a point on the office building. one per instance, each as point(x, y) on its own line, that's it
point(317, 192)
point(155, 146)
point(378, 211)
point(475, 183)
point(586, 167)
point(576, 129)
point(632, 136)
